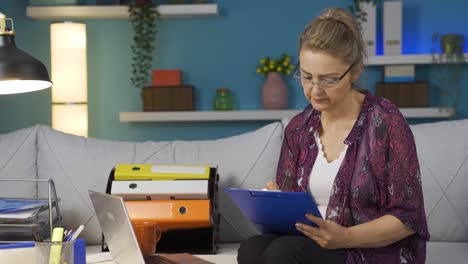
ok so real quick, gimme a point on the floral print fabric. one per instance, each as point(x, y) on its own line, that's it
point(379, 176)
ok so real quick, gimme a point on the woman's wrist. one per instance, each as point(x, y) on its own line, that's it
point(349, 238)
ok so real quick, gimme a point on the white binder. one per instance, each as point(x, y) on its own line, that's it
point(161, 190)
point(369, 27)
point(392, 27)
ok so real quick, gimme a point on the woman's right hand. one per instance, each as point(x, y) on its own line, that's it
point(271, 185)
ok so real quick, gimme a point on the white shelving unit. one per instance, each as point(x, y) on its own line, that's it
point(401, 59)
point(117, 11)
point(255, 115)
point(206, 10)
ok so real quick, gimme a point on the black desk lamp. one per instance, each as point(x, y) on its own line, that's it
point(19, 72)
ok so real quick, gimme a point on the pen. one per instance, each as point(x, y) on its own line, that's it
point(56, 247)
point(75, 234)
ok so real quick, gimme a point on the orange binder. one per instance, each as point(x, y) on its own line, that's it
point(171, 214)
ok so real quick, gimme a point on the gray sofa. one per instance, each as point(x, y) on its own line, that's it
point(248, 160)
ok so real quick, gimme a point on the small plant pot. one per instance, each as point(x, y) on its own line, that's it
point(452, 44)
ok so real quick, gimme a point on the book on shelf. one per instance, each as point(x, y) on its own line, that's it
point(369, 27)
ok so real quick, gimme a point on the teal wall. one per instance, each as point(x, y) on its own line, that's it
point(213, 52)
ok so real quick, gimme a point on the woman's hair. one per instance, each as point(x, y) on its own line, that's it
point(337, 33)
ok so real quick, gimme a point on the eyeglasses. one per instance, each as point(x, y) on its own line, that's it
point(324, 84)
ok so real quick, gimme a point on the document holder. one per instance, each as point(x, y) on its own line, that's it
point(21, 230)
point(189, 222)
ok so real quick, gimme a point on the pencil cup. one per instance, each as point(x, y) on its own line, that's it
point(54, 252)
point(148, 235)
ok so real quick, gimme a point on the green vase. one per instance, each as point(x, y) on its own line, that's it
point(223, 100)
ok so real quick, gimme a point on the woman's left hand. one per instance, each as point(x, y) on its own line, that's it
point(328, 235)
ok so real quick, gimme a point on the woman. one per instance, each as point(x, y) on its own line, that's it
point(354, 153)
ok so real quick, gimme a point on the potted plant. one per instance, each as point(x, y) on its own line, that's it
point(144, 20)
point(448, 59)
point(358, 10)
point(275, 90)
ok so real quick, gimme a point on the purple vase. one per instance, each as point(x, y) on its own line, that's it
point(274, 92)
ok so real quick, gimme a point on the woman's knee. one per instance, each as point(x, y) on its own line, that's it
point(251, 249)
point(294, 249)
point(286, 249)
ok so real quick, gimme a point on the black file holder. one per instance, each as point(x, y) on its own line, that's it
point(188, 240)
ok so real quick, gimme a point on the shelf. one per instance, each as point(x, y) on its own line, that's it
point(402, 59)
point(427, 112)
point(117, 11)
point(255, 115)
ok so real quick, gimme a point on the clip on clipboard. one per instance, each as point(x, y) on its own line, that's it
point(275, 212)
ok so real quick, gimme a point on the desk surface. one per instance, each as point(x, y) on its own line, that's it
point(26, 256)
point(227, 255)
point(105, 258)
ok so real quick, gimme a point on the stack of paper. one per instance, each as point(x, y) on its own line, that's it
point(19, 208)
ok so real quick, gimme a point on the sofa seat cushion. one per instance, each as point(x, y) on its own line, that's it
point(18, 160)
point(447, 252)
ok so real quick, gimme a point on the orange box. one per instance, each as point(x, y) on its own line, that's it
point(167, 77)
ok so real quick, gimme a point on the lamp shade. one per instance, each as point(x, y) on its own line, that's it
point(69, 73)
point(72, 119)
point(19, 72)
point(68, 62)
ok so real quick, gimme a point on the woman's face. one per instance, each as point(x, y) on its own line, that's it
point(320, 67)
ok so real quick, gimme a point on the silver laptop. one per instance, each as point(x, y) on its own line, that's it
point(117, 228)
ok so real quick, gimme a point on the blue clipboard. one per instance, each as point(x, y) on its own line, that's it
point(273, 211)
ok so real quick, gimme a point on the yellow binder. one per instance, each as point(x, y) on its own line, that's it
point(161, 172)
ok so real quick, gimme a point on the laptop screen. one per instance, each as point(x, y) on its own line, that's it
point(117, 228)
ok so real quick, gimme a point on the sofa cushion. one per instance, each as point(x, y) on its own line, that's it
point(443, 152)
point(446, 252)
point(78, 164)
point(18, 160)
point(248, 160)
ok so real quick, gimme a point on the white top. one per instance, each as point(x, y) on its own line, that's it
point(323, 175)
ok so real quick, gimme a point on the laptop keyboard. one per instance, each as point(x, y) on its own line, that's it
point(151, 260)
point(158, 260)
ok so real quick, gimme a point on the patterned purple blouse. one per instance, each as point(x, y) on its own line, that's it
point(379, 176)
